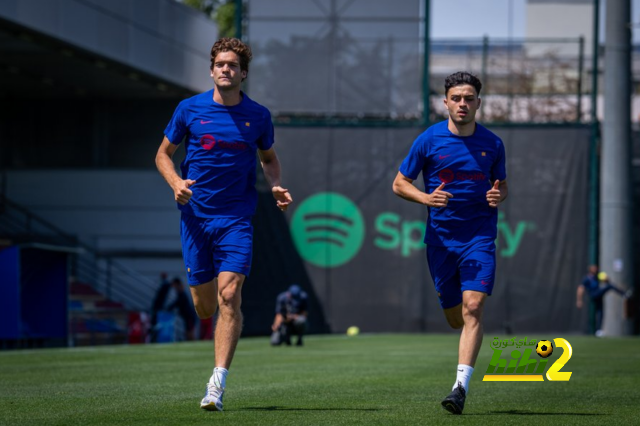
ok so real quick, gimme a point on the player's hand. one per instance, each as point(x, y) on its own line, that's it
point(182, 193)
point(439, 198)
point(493, 195)
point(579, 304)
point(282, 196)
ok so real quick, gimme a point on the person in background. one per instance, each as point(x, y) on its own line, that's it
point(589, 284)
point(291, 316)
point(159, 302)
point(185, 310)
point(597, 287)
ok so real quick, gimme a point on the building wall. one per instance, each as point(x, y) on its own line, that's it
point(161, 37)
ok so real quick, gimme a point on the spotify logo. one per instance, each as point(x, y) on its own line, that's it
point(327, 229)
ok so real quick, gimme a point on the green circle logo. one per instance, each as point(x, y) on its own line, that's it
point(327, 229)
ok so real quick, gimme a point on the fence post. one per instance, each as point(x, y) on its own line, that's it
point(580, 70)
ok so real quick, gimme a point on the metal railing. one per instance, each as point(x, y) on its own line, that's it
point(105, 273)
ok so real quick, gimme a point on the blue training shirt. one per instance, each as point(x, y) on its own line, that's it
point(468, 165)
point(221, 149)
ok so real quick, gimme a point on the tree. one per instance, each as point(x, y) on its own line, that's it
point(221, 11)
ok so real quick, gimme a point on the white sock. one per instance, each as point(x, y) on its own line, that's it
point(219, 377)
point(463, 376)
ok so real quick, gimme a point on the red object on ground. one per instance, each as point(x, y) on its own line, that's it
point(206, 329)
point(138, 327)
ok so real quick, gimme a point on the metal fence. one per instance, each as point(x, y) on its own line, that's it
point(362, 62)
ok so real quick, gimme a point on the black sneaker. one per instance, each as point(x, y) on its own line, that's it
point(454, 403)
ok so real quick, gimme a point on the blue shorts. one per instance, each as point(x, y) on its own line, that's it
point(456, 269)
point(211, 246)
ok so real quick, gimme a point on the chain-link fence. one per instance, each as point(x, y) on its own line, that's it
point(362, 62)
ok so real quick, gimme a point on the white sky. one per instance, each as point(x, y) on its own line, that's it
point(477, 18)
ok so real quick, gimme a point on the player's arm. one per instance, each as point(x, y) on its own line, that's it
point(579, 296)
point(277, 321)
point(498, 193)
point(271, 168)
point(404, 188)
point(164, 163)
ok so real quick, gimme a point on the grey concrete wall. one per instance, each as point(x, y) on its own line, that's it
point(110, 210)
point(160, 37)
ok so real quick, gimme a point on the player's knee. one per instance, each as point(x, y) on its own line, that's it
point(473, 309)
point(229, 298)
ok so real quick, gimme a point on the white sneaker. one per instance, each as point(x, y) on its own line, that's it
point(212, 398)
point(599, 333)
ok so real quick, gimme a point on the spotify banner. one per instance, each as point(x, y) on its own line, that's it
point(361, 245)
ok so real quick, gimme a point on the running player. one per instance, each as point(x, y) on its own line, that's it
point(463, 167)
point(217, 195)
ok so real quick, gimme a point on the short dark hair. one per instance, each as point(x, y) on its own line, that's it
point(462, 77)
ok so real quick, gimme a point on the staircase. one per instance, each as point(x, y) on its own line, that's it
point(95, 319)
point(102, 290)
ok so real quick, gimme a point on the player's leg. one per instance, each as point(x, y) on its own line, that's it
point(477, 275)
point(472, 332)
point(599, 309)
point(233, 238)
point(470, 343)
point(454, 316)
point(443, 265)
point(205, 299)
point(197, 251)
point(226, 335)
point(229, 323)
point(300, 326)
point(285, 332)
point(444, 272)
point(205, 302)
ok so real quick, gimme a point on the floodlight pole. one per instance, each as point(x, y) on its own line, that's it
point(426, 80)
point(238, 18)
point(594, 166)
point(616, 227)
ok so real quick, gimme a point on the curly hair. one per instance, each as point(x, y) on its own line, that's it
point(462, 77)
point(227, 44)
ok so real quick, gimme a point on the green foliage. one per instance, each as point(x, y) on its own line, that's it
point(225, 17)
point(222, 11)
point(390, 379)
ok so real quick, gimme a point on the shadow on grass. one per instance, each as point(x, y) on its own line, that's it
point(536, 413)
point(279, 408)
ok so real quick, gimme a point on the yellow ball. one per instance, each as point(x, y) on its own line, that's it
point(353, 331)
point(544, 348)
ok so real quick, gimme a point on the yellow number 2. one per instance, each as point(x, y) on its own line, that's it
point(554, 373)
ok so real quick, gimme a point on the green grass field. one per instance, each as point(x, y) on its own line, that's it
point(385, 379)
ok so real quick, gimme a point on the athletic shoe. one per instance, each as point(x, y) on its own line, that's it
point(454, 403)
point(212, 398)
